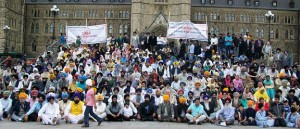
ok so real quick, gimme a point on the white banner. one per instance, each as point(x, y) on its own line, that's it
point(187, 30)
point(88, 34)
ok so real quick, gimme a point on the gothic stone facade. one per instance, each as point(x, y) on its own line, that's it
point(127, 16)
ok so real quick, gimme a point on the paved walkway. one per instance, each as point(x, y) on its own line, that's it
point(120, 125)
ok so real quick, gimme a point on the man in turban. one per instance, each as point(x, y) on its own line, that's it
point(146, 110)
point(6, 102)
point(63, 103)
point(101, 106)
point(226, 114)
point(33, 95)
point(208, 107)
point(74, 111)
point(181, 110)
point(49, 112)
point(114, 109)
point(249, 114)
point(51, 83)
point(35, 108)
point(165, 111)
point(18, 111)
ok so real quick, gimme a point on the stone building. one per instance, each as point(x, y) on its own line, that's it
point(127, 16)
point(12, 15)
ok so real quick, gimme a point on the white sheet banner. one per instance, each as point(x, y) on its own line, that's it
point(187, 30)
point(88, 34)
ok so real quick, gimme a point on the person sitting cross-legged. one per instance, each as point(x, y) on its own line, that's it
point(49, 112)
point(74, 111)
point(146, 110)
point(226, 114)
point(36, 107)
point(249, 115)
point(165, 111)
point(292, 118)
point(18, 111)
point(195, 113)
point(114, 109)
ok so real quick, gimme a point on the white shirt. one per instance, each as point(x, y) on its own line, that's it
point(284, 90)
point(128, 111)
point(214, 41)
point(158, 100)
point(50, 109)
point(100, 108)
point(192, 48)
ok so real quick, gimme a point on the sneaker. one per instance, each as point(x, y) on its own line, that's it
point(99, 123)
point(190, 123)
point(132, 120)
point(80, 122)
point(223, 123)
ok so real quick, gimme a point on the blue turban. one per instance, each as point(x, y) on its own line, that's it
point(205, 97)
point(64, 95)
point(76, 95)
point(50, 98)
point(149, 90)
point(64, 74)
point(82, 78)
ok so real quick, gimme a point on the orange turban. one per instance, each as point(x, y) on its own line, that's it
point(166, 97)
point(100, 97)
point(250, 103)
point(79, 89)
point(197, 83)
point(225, 90)
point(182, 100)
point(52, 76)
point(23, 96)
point(67, 70)
point(206, 73)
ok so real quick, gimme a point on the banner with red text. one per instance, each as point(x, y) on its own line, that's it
point(88, 34)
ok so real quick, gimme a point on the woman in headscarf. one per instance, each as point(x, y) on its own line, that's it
point(261, 93)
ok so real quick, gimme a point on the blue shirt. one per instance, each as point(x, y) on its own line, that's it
point(36, 107)
point(228, 41)
point(196, 110)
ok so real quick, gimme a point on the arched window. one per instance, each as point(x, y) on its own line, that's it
point(272, 33)
point(277, 34)
point(112, 14)
point(217, 31)
point(51, 27)
point(262, 33)
point(124, 14)
point(257, 33)
point(110, 30)
point(61, 28)
point(126, 28)
point(242, 31)
point(33, 45)
point(120, 29)
point(120, 14)
point(247, 30)
point(286, 34)
point(291, 34)
point(37, 28)
point(105, 14)
point(196, 16)
point(32, 28)
point(212, 30)
point(46, 28)
point(127, 14)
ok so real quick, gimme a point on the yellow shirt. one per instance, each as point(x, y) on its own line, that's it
point(76, 109)
point(72, 86)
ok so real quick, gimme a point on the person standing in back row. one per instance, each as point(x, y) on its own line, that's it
point(90, 103)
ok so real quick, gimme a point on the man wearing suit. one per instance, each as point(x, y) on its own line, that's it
point(147, 41)
point(258, 47)
point(19, 110)
point(278, 58)
point(208, 108)
point(287, 59)
point(153, 41)
point(165, 111)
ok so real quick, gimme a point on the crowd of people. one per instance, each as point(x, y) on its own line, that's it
point(227, 80)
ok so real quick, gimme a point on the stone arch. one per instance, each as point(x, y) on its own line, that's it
point(159, 29)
